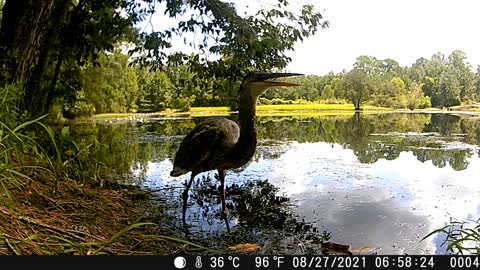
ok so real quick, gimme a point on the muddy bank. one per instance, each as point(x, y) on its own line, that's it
point(51, 218)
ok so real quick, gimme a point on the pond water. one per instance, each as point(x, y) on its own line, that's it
point(378, 182)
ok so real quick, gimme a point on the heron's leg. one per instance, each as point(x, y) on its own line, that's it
point(221, 177)
point(185, 196)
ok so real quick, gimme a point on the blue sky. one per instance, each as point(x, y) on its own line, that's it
point(403, 30)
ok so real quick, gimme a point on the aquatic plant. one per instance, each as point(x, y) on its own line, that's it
point(462, 237)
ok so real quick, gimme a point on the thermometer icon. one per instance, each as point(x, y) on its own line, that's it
point(198, 262)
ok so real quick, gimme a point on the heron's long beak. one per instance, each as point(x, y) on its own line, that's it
point(268, 76)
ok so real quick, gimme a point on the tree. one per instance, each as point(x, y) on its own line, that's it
point(477, 84)
point(441, 81)
point(399, 93)
point(257, 41)
point(111, 85)
point(428, 84)
point(448, 91)
point(457, 59)
point(356, 86)
point(368, 64)
point(65, 30)
point(415, 98)
point(327, 92)
point(2, 3)
point(417, 71)
point(390, 68)
point(24, 61)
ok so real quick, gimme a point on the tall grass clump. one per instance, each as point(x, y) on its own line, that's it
point(462, 237)
point(9, 96)
point(18, 144)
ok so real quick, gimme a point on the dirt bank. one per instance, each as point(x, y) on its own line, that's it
point(48, 217)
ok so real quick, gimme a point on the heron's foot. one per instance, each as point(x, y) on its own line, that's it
point(225, 212)
point(186, 228)
point(225, 219)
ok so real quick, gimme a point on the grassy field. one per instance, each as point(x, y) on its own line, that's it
point(261, 110)
point(289, 109)
point(274, 110)
point(295, 107)
point(468, 107)
point(317, 107)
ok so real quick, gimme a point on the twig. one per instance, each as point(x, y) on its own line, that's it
point(48, 199)
point(49, 227)
point(11, 247)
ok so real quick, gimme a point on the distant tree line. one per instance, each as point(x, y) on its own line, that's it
point(113, 84)
point(439, 82)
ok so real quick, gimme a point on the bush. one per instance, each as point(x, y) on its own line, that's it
point(183, 104)
point(280, 101)
point(55, 114)
point(424, 102)
point(264, 101)
point(391, 102)
point(334, 101)
point(80, 108)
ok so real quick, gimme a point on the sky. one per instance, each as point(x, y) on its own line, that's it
point(403, 30)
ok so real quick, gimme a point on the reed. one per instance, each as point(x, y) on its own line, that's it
point(463, 237)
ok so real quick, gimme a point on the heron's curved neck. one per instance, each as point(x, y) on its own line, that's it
point(247, 143)
point(246, 113)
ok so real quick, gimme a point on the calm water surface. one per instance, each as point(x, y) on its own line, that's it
point(375, 181)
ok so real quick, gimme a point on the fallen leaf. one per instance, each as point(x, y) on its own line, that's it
point(364, 250)
point(335, 248)
point(245, 247)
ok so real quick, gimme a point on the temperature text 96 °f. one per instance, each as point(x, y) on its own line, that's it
point(264, 262)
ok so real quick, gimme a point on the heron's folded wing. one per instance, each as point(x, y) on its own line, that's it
point(198, 146)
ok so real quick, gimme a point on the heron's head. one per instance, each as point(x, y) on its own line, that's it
point(257, 82)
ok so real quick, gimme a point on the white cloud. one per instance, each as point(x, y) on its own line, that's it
point(401, 30)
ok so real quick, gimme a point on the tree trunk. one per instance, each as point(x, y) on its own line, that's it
point(357, 105)
point(28, 33)
point(357, 118)
point(56, 74)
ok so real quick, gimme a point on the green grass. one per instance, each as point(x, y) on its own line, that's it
point(113, 115)
point(315, 107)
point(474, 107)
point(262, 110)
point(303, 113)
point(126, 115)
point(310, 109)
point(210, 109)
point(295, 107)
point(17, 142)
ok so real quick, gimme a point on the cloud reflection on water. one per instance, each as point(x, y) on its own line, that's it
point(389, 204)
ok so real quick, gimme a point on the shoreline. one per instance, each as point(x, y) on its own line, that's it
point(223, 111)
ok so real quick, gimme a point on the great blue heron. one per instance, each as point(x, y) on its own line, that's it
point(219, 143)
